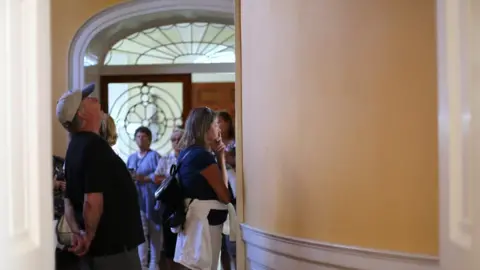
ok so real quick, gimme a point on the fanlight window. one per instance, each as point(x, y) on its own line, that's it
point(182, 43)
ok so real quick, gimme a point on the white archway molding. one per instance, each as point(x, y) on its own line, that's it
point(120, 12)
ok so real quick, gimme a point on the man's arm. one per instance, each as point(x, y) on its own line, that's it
point(92, 211)
point(70, 216)
point(97, 172)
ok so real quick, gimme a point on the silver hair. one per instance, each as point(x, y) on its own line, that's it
point(178, 130)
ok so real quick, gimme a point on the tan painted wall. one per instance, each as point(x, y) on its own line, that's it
point(67, 17)
point(339, 121)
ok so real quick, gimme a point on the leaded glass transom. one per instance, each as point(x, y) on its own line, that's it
point(158, 106)
point(182, 43)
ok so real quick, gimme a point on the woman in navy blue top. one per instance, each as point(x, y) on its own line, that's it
point(203, 171)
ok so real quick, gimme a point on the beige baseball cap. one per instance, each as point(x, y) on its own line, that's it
point(68, 104)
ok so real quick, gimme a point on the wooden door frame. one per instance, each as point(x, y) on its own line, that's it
point(186, 79)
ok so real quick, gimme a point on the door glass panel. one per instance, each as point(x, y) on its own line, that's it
point(158, 106)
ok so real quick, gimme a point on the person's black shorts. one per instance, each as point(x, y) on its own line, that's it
point(169, 242)
point(169, 238)
point(228, 246)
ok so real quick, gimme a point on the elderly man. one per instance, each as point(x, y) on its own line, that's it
point(101, 205)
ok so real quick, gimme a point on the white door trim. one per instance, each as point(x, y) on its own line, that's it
point(26, 208)
point(125, 11)
point(458, 115)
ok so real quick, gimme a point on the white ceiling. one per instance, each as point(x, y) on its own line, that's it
point(109, 36)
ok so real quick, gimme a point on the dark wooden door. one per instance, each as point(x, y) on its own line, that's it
point(217, 96)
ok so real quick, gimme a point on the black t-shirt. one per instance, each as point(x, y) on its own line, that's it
point(91, 166)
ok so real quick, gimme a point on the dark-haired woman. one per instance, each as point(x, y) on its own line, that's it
point(225, 122)
point(143, 164)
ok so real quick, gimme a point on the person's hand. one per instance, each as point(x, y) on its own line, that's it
point(159, 179)
point(218, 147)
point(87, 242)
point(142, 178)
point(80, 244)
point(62, 185)
point(139, 178)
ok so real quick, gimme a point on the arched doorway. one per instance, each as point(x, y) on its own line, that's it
point(182, 54)
point(94, 50)
point(135, 10)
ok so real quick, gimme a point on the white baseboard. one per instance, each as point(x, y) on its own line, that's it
point(267, 251)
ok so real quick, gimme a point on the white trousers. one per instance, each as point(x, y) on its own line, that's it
point(153, 244)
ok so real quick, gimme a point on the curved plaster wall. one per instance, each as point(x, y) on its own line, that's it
point(339, 121)
point(67, 18)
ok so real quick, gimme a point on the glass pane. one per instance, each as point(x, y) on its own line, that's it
point(158, 106)
point(182, 43)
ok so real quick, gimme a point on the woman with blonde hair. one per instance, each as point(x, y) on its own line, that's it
point(204, 182)
point(108, 130)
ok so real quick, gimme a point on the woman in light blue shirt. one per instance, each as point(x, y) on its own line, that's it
point(143, 163)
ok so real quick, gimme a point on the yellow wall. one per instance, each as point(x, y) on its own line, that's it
point(339, 121)
point(67, 17)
